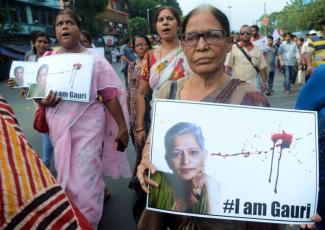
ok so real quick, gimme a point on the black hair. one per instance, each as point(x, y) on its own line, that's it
point(145, 38)
point(270, 37)
point(40, 34)
point(256, 27)
point(288, 33)
point(244, 26)
point(219, 16)
point(87, 35)
point(72, 14)
point(173, 11)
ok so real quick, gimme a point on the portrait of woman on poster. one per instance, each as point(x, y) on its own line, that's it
point(188, 189)
point(19, 76)
point(39, 88)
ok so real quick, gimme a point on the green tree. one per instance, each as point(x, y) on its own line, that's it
point(138, 26)
point(88, 11)
point(272, 23)
point(172, 3)
point(138, 8)
point(8, 28)
point(296, 16)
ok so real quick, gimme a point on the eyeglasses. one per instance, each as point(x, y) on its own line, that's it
point(212, 37)
point(313, 34)
point(245, 32)
point(140, 45)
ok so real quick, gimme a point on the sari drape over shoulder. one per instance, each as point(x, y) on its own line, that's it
point(172, 66)
point(83, 136)
point(30, 198)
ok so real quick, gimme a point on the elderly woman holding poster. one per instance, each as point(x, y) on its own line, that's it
point(205, 41)
point(85, 135)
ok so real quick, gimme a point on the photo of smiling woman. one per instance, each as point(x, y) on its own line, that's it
point(38, 90)
point(188, 189)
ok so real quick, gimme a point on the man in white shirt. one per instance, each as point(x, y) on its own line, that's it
point(239, 64)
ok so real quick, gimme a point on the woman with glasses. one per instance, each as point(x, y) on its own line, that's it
point(141, 46)
point(167, 62)
point(205, 41)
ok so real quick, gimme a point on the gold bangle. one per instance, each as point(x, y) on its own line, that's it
point(139, 130)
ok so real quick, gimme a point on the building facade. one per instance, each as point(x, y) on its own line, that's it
point(115, 21)
point(18, 20)
point(30, 15)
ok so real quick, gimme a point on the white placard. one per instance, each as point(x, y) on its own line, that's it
point(99, 50)
point(23, 73)
point(261, 164)
point(68, 74)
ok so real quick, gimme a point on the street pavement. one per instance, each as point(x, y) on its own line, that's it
point(117, 213)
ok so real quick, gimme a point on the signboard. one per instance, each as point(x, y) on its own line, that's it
point(234, 162)
point(68, 74)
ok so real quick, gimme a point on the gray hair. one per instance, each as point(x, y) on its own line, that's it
point(182, 128)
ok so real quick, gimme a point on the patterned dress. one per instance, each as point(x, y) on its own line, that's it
point(30, 198)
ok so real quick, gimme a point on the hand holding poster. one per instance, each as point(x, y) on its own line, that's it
point(68, 74)
point(22, 73)
point(231, 164)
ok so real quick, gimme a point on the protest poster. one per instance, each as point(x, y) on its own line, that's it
point(98, 50)
point(23, 73)
point(234, 162)
point(68, 74)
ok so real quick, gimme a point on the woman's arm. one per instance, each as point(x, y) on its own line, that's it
point(143, 89)
point(144, 166)
point(114, 107)
point(145, 163)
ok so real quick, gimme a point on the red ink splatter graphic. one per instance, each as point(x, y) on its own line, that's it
point(282, 140)
point(75, 68)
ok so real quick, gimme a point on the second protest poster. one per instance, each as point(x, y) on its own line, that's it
point(68, 74)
